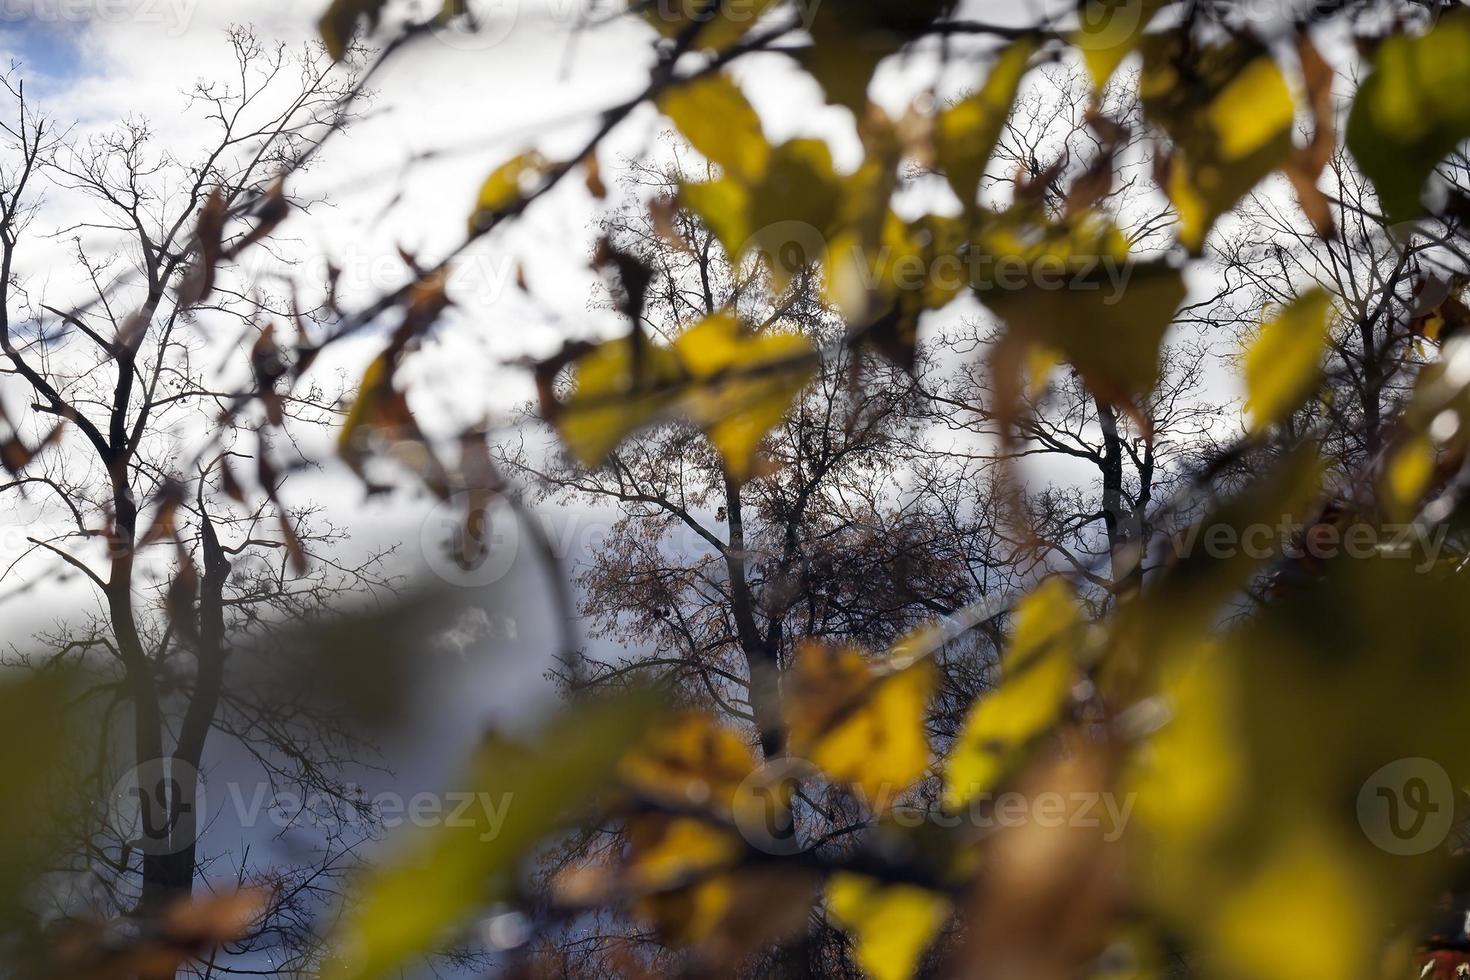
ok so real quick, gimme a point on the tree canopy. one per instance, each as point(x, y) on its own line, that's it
point(894, 697)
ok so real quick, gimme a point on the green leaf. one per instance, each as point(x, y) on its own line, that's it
point(410, 905)
point(966, 133)
point(1109, 330)
point(845, 70)
point(793, 213)
point(1070, 287)
point(850, 39)
point(1285, 360)
point(789, 217)
point(1411, 111)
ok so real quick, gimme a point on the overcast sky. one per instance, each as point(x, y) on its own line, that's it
point(536, 75)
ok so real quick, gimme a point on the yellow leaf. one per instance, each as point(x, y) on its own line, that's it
point(859, 725)
point(689, 915)
point(1228, 112)
point(721, 24)
point(690, 761)
point(723, 205)
point(609, 401)
point(1412, 110)
point(1285, 360)
point(666, 851)
point(506, 185)
point(370, 392)
point(339, 23)
point(727, 915)
point(891, 925)
point(714, 116)
point(733, 384)
point(1038, 671)
point(1110, 31)
point(1409, 472)
point(1306, 889)
point(1197, 686)
point(966, 133)
point(1251, 111)
point(736, 412)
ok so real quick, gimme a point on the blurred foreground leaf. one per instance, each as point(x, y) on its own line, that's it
point(1306, 783)
point(1285, 360)
point(858, 724)
point(1411, 111)
point(966, 133)
point(733, 383)
point(38, 729)
point(1227, 111)
point(891, 924)
point(1038, 671)
point(412, 904)
point(339, 23)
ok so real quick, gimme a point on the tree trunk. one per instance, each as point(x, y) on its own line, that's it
point(761, 660)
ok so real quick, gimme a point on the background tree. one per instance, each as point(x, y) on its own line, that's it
point(711, 583)
point(187, 560)
point(1397, 289)
point(1090, 479)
